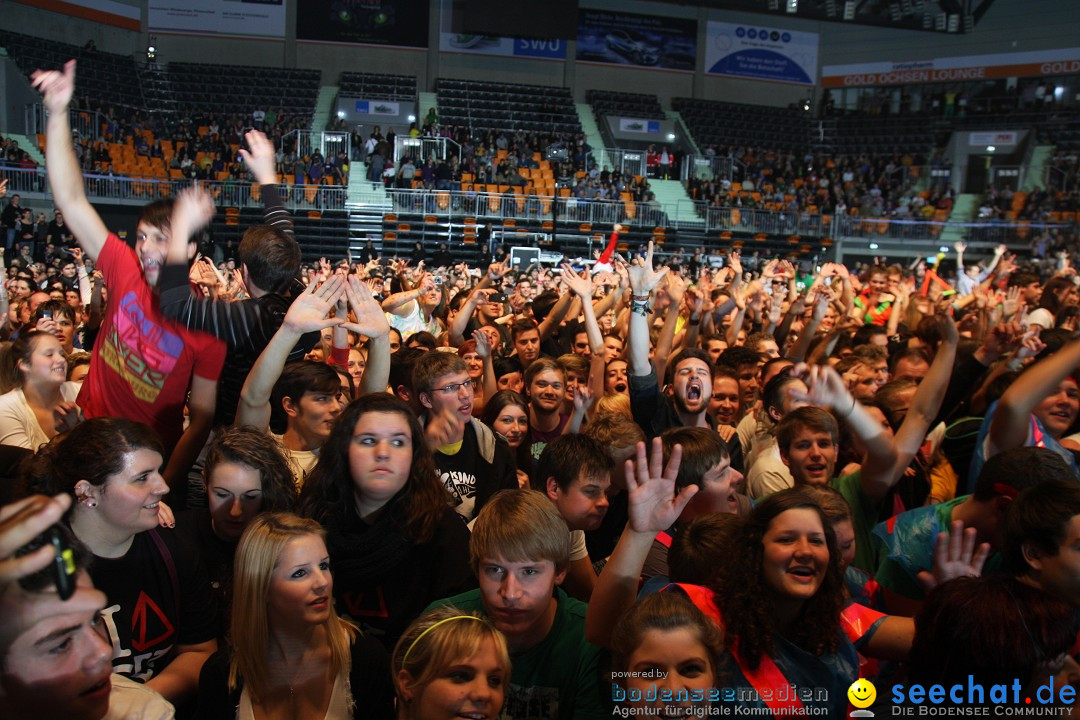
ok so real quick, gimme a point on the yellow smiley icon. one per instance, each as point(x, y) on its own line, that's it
point(862, 693)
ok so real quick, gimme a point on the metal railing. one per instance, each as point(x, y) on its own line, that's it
point(707, 167)
point(326, 143)
point(86, 123)
point(451, 204)
point(422, 149)
point(115, 188)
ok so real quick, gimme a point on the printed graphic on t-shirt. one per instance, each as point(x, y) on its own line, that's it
point(461, 487)
point(535, 703)
point(140, 350)
point(150, 630)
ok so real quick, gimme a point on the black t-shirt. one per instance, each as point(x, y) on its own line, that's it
point(457, 473)
point(217, 556)
point(159, 597)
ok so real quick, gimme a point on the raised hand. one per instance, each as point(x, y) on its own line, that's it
point(309, 310)
point(3, 188)
point(675, 289)
point(260, 158)
point(582, 398)
point(55, 86)
point(370, 318)
point(441, 429)
point(955, 555)
point(735, 262)
point(580, 285)
point(825, 387)
point(194, 208)
point(1012, 301)
point(959, 246)
point(497, 269)
point(642, 276)
point(483, 344)
point(20, 523)
point(653, 504)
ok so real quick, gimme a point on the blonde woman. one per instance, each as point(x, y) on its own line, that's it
point(290, 655)
point(450, 663)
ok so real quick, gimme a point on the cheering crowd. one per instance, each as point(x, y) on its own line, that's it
point(370, 489)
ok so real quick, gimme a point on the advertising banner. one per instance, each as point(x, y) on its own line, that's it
point(635, 125)
point(108, 12)
point(378, 107)
point(535, 48)
point(257, 18)
point(644, 41)
point(401, 23)
point(1004, 138)
point(1065, 61)
point(761, 53)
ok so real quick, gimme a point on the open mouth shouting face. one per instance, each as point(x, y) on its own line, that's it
point(693, 385)
point(615, 378)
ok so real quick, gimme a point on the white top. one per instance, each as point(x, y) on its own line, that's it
point(130, 700)
point(577, 545)
point(18, 424)
point(301, 462)
point(769, 474)
point(340, 707)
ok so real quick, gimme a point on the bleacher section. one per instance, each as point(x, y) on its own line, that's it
point(722, 124)
point(103, 77)
point(320, 234)
point(378, 87)
point(635, 105)
point(880, 135)
point(201, 88)
point(532, 108)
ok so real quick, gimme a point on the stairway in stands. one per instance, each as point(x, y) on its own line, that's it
point(963, 211)
point(592, 133)
point(29, 145)
point(366, 204)
point(324, 108)
point(1035, 173)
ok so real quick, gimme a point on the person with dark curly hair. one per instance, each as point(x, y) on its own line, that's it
point(780, 600)
point(396, 544)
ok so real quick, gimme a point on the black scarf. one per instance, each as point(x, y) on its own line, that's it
point(363, 553)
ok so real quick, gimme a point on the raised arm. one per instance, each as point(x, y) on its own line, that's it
point(927, 400)
point(371, 323)
point(581, 287)
point(398, 303)
point(65, 178)
point(642, 281)
point(307, 314)
point(653, 508)
point(1009, 428)
point(827, 390)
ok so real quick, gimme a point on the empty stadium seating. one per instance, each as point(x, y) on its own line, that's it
point(532, 108)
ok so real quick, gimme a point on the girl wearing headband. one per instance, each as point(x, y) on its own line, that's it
point(450, 664)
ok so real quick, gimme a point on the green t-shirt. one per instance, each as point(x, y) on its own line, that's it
point(559, 679)
point(864, 515)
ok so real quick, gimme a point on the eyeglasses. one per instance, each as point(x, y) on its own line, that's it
point(453, 388)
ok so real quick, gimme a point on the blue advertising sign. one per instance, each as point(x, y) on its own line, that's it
point(637, 40)
point(761, 53)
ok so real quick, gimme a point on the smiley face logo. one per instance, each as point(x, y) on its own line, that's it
point(862, 693)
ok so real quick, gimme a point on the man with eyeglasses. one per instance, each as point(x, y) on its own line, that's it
point(474, 463)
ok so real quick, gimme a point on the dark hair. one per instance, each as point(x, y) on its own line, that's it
point(988, 630)
point(523, 325)
point(569, 457)
point(1020, 279)
point(664, 611)
point(691, 353)
point(701, 546)
point(401, 369)
point(301, 377)
point(254, 449)
point(328, 492)
point(702, 450)
point(92, 451)
point(422, 338)
point(507, 366)
point(44, 578)
point(500, 400)
point(745, 602)
point(13, 353)
point(1039, 517)
point(738, 356)
point(542, 304)
point(272, 257)
point(864, 335)
point(810, 417)
point(1049, 299)
point(56, 307)
point(1012, 471)
point(772, 396)
point(158, 214)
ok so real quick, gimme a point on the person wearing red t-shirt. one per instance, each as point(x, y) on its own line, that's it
point(143, 365)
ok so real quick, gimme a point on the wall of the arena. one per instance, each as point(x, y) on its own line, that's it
point(1009, 26)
